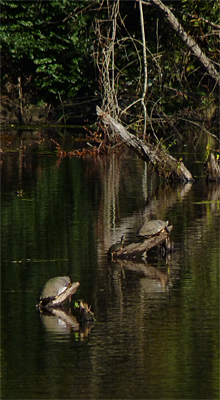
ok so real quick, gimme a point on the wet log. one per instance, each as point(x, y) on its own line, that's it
point(162, 162)
point(64, 296)
point(212, 168)
point(137, 249)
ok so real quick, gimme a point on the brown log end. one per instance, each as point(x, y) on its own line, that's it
point(212, 168)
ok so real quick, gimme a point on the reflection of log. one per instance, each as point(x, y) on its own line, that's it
point(146, 270)
point(164, 163)
point(52, 321)
point(64, 296)
point(212, 168)
point(136, 249)
point(61, 322)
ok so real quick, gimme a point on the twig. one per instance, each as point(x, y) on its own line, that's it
point(20, 94)
point(188, 40)
point(201, 127)
point(196, 17)
point(130, 105)
point(145, 67)
point(147, 3)
point(64, 118)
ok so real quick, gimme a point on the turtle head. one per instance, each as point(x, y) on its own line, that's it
point(122, 239)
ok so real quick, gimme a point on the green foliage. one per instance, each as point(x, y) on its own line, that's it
point(175, 78)
point(46, 43)
point(53, 47)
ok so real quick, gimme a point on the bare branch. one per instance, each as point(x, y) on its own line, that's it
point(196, 17)
point(199, 126)
point(190, 42)
point(145, 66)
point(163, 162)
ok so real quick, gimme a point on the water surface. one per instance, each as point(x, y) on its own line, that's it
point(156, 334)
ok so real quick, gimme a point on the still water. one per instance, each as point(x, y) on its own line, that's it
point(156, 333)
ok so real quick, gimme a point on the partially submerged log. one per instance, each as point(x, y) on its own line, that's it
point(164, 163)
point(64, 296)
point(212, 168)
point(136, 249)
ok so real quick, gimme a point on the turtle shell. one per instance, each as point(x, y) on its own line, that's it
point(152, 228)
point(54, 287)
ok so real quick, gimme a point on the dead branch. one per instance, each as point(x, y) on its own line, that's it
point(195, 17)
point(199, 126)
point(163, 163)
point(105, 59)
point(190, 42)
point(145, 67)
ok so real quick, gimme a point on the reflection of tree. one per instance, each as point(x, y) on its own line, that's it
point(114, 173)
point(203, 228)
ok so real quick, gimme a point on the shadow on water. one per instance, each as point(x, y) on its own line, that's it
point(156, 330)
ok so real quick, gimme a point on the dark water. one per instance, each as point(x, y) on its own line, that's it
point(156, 334)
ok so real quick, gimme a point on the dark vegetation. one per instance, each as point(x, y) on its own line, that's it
point(62, 58)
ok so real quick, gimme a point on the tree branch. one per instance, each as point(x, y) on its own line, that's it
point(190, 43)
point(145, 67)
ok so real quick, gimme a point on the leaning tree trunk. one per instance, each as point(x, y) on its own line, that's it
point(191, 44)
point(161, 161)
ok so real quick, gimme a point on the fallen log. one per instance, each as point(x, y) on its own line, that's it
point(162, 162)
point(137, 249)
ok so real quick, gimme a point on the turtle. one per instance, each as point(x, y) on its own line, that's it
point(56, 291)
point(115, 247)
point(152, 228)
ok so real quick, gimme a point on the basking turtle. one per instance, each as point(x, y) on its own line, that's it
point(115, 247)
point(152, 228)
point(56, 291)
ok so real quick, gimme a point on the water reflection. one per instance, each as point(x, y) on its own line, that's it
point(153, 275)
point(156, 333)
point(60, 323)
